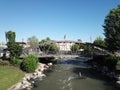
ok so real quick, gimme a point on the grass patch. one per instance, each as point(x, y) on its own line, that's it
point(9, 76)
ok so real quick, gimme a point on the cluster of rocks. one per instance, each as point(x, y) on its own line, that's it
point(27, 82)
point(118, 80)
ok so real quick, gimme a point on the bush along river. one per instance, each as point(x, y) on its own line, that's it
point(73, 75)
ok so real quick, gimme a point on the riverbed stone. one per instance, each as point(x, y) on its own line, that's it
point(50, 64)
point(118, 82)
point(18, 86)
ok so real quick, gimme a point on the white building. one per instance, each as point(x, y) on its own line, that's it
point(65, 45)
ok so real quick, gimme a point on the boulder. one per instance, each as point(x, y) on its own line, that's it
point(16, 87)
point(50, 64)
point(118, 82)
point(42, 75)
point(118, 77)
point(25, 84)
point(28, 77)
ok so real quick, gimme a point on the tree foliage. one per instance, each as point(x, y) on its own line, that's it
point(53, 47)
point(88, 49)
point(112, 29)
point(45, 40)
point(48, 46)
point(29, 63)
point(16, 62)
point(10, 36)
point(48, 39)
point(99, 41)
point(33, 41)
point(14, 48)
point(75, 48)
point(109, 61)
point(79, 40)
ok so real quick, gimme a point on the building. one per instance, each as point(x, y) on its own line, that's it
point(65, 45)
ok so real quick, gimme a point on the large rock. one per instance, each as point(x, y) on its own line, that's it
point(118, 82)
point(118, 77)
point(25, 84)
point(28, 76)
point(50, 64)
point(18, 86)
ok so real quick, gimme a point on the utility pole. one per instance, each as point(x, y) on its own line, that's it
point(90, 39)
point(6, 37)
point(22, 42)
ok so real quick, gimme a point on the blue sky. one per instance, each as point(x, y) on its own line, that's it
point(77, 19)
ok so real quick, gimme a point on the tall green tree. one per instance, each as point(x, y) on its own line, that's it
point(75, 48)
point(14, 48)
point(10, 36)
point(45, 40)
point(112, 29)
point(33, 41)
point(88, 49)
point(48, 46)
point(99, 41)
point(53, 48)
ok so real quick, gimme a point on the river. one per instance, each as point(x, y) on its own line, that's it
point(66, 76)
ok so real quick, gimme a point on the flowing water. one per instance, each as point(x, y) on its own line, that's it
point(66, 76)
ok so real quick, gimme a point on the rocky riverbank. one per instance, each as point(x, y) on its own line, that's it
point(27, 82)
point(103, 70)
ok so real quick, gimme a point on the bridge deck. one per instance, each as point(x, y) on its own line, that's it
point(55, 56)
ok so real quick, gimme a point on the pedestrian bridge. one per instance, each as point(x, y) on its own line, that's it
point(54, 55)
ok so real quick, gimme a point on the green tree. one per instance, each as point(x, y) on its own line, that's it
point(99, 41)
point(48, 46)
point(10, 36)
point(45, 40)
point(44, 45)
point(14, 48)
point(75, 48)
point(29, 63)
point(33, 41)
point(48, 39)
point(88, 49)
point(79, 40)
point(112, 29)
point(53, 48)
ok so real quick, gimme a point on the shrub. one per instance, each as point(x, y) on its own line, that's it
point(88, 50)
point(111, 61)
point(16, 62)
point(29, 63)
point(75, 48)
point(4, 63)
point(108, 60)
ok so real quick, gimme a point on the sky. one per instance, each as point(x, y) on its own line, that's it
point(77, 19)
